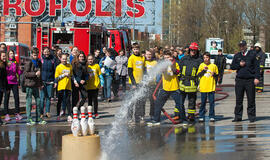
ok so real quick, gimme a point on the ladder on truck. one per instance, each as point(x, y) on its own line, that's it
point(45, 34)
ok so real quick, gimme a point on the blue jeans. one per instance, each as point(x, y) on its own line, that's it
point(29, 93)
point(107, 86)
point(211, 98)
point(45, 96)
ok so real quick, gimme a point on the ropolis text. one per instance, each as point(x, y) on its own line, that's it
point(19, 5)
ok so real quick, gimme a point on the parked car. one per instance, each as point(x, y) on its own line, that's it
point(267, 60)
point(229, 59)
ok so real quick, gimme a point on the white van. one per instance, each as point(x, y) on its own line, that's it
point(267, 60)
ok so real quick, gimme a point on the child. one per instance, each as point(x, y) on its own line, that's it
point(94, 82)
point(170, 84)
point(13, 72)
point(48, 69)
point(80, 75)
point(121, 69)
point(33, 83)
point(150, 63)
point(108, 73)
point(63, 74)
point(136, 64)
point(207, 73)
point(3, 78)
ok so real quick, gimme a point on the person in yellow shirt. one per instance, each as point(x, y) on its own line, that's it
point(136, 64)
point(170, 87)
point(150, 63)
point(63, 74)
point(94, 82)
point(207, 73)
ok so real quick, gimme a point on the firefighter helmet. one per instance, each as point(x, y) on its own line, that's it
point(194, 46)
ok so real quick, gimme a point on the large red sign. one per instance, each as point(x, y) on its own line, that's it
point(19, 6)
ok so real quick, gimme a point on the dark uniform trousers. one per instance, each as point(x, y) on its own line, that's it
point(242, 86)
point(260, 86)
point(192, 96)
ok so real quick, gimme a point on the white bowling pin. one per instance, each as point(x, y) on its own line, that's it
point(91, 125)
point(84, 124)
point(89, 108)
point(75, 126)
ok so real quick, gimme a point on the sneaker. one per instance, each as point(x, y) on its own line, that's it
point(48, 114)
point(7, 118)
point(202, 120)
point(30, 122)
point(41, 116)
point(176, 118)
point(18, 117)
point(62, 113)
point(96, 116)
point(142, 121)
point(212, 119)
point(69, 119)
point(42, 122)
point(58, 118)
point(153, 123)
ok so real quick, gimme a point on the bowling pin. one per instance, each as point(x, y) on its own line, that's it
point(91, 122)
point(84, 124)
point(90, 112)
point(75, 126)
point(91, 125)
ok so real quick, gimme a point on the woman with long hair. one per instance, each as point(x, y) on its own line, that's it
point(3, 77)
point(13, 73)
point(79, 78)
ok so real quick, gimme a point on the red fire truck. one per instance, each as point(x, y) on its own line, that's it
point(83, 35)
point(119, 40)
point(21, 50)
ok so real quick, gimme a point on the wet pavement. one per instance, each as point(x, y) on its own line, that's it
point(220, 140)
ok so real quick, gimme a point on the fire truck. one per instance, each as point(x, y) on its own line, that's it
point(80, 34)
point(21, 50)
point(119, 40)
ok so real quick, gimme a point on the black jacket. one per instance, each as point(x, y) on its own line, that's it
point(3, 77)
point(220, 61)
point(31, 79)
point(187, 65)
point(80, 72)
point(251, 69)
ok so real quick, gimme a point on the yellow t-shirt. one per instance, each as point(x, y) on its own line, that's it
point(137, 64)
point(93, 72)
point(170, 81)
point(149, 65)
point(207, 81)
point(64, 83)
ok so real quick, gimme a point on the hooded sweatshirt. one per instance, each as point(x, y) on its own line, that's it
point(13, 72)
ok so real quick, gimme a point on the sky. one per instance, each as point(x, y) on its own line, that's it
point(147, 20)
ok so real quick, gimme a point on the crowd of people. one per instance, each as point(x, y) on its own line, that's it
point(75, 78)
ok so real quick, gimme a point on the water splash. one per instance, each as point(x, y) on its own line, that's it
point(113, 139)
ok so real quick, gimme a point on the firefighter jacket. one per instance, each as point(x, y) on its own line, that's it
point(262, 58)
point(189, 66)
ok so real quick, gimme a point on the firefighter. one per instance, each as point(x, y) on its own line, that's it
point(189, 81)
point(246, 63)
point(262, 56)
